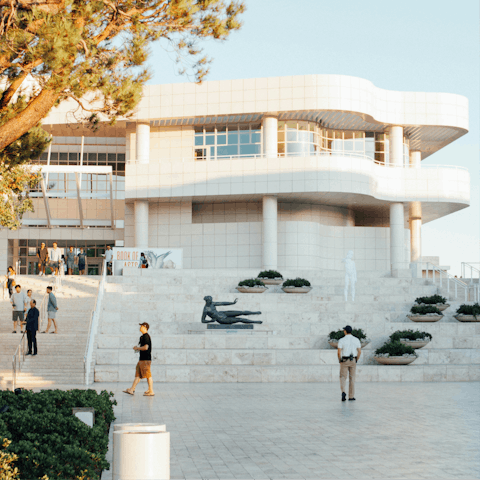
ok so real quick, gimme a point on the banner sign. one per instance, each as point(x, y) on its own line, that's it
point(157, 258)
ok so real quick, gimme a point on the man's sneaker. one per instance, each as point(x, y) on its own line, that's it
point(350, 399)
point(40, 274)
point(344, 396)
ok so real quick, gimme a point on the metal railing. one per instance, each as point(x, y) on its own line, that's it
point(324, 155)
point(474, 271)
point(18, 358)
point(469, 292)
point(92, 329)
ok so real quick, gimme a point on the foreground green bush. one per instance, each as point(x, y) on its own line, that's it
point(356, 332)
point(297, 282)
point(469, 309)
point(52, 443)
point(424, 309)
point(269, 274)
point(395, 349)
point(251, 282)
point(432, 300)
point(409, 335)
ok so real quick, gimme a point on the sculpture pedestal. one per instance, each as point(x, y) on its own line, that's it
point(229, 327)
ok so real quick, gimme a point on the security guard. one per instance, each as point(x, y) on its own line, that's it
point(349, 351)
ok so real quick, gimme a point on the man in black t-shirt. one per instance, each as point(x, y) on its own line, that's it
point(143, 369)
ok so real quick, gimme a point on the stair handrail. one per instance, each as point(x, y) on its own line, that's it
point(457, 283)
point(92, 329)
point(470, 265)
point(17, 359)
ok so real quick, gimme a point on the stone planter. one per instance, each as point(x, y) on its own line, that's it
point(403, 360)
point(271, 281)
point(252, 289)
point(296, 289)
point(440, 306)
point(467, 318)
point(363, 343)
point(414, 343)
point(429, 317)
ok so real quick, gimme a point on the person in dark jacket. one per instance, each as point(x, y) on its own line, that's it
point(32, 327)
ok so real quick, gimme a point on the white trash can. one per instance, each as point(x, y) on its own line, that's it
point(141, 451)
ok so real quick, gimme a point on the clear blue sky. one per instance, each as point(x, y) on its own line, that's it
point(426, 45)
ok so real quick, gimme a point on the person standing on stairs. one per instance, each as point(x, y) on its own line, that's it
point(32, 327)
point(81, 262)
point(109, 259)
point(42, 254)
point(55, 257)
point(349, 351)
point(51, 310)
point(19, 303)
point(70, 261)
point(143, 369)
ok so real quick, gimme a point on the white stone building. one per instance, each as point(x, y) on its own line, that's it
point(284, 172)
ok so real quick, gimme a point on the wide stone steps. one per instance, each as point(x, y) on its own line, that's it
point(292, 373)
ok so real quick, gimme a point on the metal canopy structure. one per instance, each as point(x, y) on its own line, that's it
point(81, 222)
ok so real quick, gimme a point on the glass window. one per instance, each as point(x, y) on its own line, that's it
point(72, 158)
point(369, 135)
point(102, 158)
point(210, 129)
point(249, 149)
point(200, 153)
point(281, 148)
point(199, 139)
point(256, 136)
point(292, 135)
point(63, 158)
point(347, 135)
point(112, 160)
point(92, 159)
point(358, 134)
point(221, 139)
point(210, 140)
point(227, 151)
point(281, 136)
point(232, 138)
point(294, 148)
point(281, 125)
point(245, 137)
point(348, 145)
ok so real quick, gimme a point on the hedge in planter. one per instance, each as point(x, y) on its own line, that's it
point(409, 335)
point(251, 282)
point(297, 282)
point(469, 309)
point(356, 332)
point(424, 310)
point(269, 274)
point(432, 300)
point(394, 349)
point(49, 440)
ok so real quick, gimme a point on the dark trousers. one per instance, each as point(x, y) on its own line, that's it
point(32, 340)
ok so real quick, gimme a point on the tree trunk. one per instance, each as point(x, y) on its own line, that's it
point(37, 109)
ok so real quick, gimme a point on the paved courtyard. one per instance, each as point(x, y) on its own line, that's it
point(304, 431)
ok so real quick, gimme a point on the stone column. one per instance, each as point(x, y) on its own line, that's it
point(270, 135)
point(415, 223)
point(143, 143)
point(141, 223)
point(269, 232)
point(395, 146)
point(142, 153)
point(397, 239)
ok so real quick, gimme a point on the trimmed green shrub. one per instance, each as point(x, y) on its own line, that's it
point(424, 309)
point(469, 309)
point(297, 282)
point(49, 440)
point(432, 300)
point(395, 349)
point(356, 332)
point(409, 335)
point(251, 282)
point(270, 274)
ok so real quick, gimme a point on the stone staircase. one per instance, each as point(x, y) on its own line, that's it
point(60, 357)
point(291, 344)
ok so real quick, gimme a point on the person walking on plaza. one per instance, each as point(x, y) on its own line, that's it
point(349, 351)
point(109, 258)
point(10, 279)
point(143, 263)
point(70, 261)
point(51, 310)
point(143, 369)
point(42, 254)
point(32, 327)
point(55, 257)
point(81, 262)
point(19, 303)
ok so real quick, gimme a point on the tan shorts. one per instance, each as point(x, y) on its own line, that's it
point(143, 369)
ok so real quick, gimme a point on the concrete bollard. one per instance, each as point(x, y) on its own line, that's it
point(141, 451)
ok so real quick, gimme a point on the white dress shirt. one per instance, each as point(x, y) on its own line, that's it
point(349, 345)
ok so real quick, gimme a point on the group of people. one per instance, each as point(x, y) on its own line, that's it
point(57, 262)
point(26, 314)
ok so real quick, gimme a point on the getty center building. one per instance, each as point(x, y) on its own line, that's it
point(265, 173)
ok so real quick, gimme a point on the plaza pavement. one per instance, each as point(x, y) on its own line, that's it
point(304, 431)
